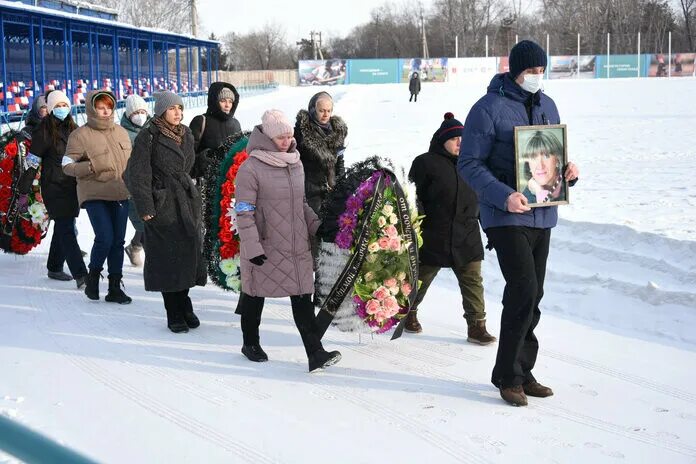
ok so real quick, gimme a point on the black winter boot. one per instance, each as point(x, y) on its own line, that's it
point(92, 284)
point(322, 358)
point(254, 353)
point(175, 312)
point(116, 295)
point(190, 317)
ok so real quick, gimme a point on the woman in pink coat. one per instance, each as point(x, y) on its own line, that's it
point(275, 223)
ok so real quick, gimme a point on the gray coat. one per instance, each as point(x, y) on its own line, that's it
point(279, 225)
point(158, 179)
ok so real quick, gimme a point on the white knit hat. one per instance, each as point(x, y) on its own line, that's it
point(135, 103)
point(55, 97)
point(274, 123)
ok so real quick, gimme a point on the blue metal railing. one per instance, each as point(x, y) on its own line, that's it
point(32, 447)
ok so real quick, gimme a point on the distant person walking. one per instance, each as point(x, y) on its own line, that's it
point(414, 86)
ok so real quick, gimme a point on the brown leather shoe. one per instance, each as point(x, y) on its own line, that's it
point(478, 333)
point(514, 395)
point(536, 389)
point(412, 325)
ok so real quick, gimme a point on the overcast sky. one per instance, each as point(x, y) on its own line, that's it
point(298, 17)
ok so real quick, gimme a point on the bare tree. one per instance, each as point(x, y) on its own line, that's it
point(171, 15)
point(264, 48)
point(688, 8)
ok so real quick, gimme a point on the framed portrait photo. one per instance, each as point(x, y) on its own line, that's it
point(540, 156)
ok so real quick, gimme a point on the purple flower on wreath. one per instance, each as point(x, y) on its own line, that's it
point(347, 221)
point(353, 204)
point(344, 239)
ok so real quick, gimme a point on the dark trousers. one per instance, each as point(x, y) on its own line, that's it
point(414, 97)
point(522, 253)
point(177, 302)
point(64, 248)
point(470, 286)
point(109, 220)
point(302, 311)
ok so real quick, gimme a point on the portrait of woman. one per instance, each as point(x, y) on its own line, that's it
point(540, 161)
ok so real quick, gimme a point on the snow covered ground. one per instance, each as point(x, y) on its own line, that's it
point(618, 338)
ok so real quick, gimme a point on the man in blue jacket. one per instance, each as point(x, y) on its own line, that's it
point(519, 234)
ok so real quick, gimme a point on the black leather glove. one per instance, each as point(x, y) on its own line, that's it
point(259, 260)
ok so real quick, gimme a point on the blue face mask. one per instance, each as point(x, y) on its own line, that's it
point(61, 113)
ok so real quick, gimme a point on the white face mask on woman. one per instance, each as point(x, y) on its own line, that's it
point(138, 119)
point(532, 82)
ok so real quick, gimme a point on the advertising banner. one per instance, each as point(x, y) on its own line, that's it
point(471, 69)
point(618, 66)
point(566, 67)
point(676, 65)
point(373, 71)
point(430, 70)
point(322, 72)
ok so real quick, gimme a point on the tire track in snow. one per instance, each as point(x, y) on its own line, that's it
point(421, 429)
point(567, 414)
point(147, 401)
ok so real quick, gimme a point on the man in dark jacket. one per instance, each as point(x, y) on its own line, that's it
point(414, 86)
point(212, 128)
point(519, 234)
point(451, 235)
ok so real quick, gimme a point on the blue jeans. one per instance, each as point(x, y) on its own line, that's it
point(64, 248)
point(109, 220)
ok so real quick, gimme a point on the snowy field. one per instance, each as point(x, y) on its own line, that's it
point(617, 334)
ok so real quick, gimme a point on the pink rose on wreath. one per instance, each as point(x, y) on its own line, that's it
point(395, 244)
point(391, 282)
point(391, 231)
point(406, 288)
point(381, 293)
point(373, 307)
point(383, 243)
point(381, 316)
point(391, 305)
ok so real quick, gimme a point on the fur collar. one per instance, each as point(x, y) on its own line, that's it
point(314, 144)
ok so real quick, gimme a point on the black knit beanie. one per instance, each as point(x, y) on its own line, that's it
point(526, 54)
point(449, 128)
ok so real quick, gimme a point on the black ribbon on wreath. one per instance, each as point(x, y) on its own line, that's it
point(351, 271)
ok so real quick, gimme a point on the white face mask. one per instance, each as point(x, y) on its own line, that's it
point(138, 119)
point(532, 82)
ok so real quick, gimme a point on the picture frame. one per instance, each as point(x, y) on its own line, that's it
point(541, 154)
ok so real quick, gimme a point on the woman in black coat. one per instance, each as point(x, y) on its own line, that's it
point(414, 86)
point(451, 235)
point(159, 181)
point(212, 128)
point(59, 191)
point(321, 138)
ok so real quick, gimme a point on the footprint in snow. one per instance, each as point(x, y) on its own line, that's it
point(584, 390)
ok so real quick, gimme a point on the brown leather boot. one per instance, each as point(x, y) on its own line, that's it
point(478, 333)
point(537, 389)
point(514, 395)
point(412, 325)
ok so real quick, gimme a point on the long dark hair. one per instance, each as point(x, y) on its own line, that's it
point(53, 127)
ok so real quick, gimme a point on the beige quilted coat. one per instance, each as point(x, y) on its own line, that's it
point(279, 226)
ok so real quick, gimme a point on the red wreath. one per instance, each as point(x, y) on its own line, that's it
point(23, 233)
point(229, 242)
